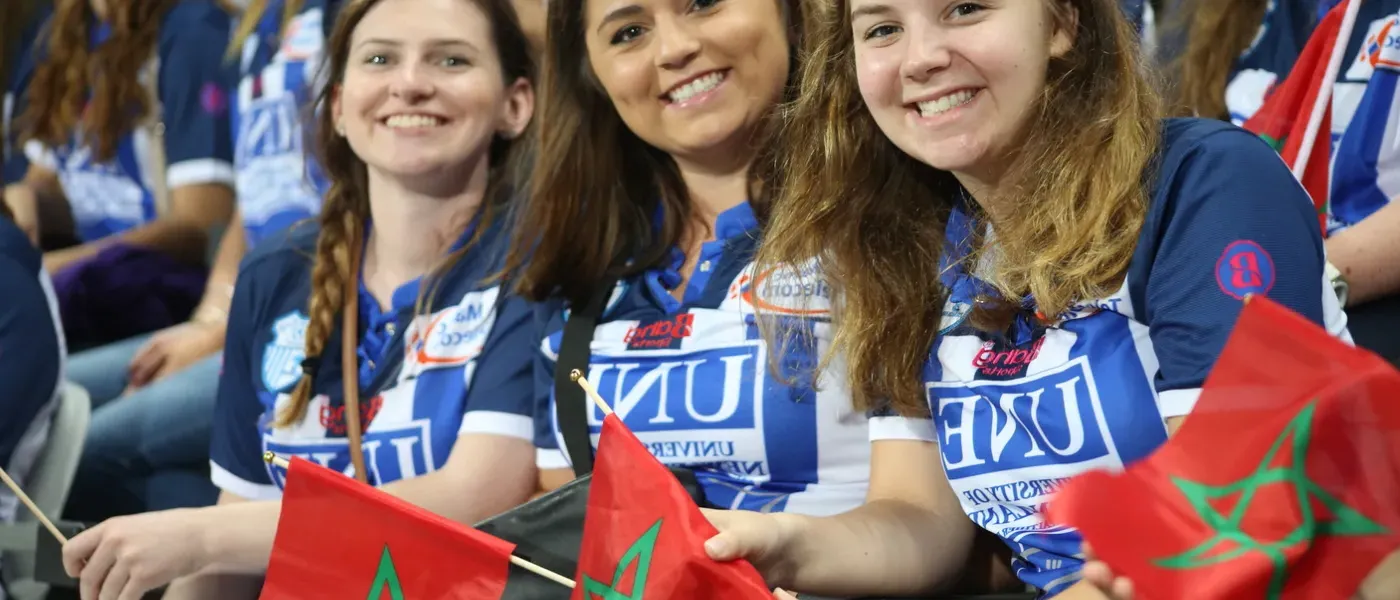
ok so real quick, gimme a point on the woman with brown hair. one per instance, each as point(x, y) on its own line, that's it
point(415, 130)
point(127, 127)
point(1230, 53)
point(1035, 274)
point(651, 174)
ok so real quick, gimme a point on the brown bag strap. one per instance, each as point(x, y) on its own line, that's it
point(350, 365)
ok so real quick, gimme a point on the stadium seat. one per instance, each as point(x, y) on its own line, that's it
point(47, 485)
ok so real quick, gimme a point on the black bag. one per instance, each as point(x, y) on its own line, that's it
point(549, 530)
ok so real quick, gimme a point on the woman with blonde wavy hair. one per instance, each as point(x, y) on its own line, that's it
point(1034, 270)
point(375, 342)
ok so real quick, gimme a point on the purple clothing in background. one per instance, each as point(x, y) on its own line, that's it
point(123, 291)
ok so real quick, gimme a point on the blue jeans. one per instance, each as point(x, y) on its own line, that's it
point(148, 450)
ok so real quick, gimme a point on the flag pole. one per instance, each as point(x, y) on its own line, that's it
point(1324, 95)
point(592, 393)
point(38, 514)
point(272, 458)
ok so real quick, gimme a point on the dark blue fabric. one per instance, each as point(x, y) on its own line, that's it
point(30, 348)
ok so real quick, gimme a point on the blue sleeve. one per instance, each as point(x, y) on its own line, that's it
point(30, 352)
point(499, 399)
point(548, 454)
point(194, 96)
point(236, 445)
point(1228, 220)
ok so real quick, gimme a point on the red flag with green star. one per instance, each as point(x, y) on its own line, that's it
point(339, 538)
point(1281, 484)
point(643, 536)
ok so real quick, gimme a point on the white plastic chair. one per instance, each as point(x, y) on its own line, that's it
point(47, 485)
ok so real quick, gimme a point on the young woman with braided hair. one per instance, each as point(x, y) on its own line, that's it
point(415, 131)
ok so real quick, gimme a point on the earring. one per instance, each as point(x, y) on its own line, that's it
point(340, 129)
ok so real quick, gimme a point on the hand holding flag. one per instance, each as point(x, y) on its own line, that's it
point(1281, 483)
point(339, 538)
point(643, 536)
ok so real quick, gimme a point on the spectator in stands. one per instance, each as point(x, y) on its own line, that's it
point(1045, 239)
point(655, 135)
point(127, 129)
point(148, 447)
point(31, 359)
point(1226, 55)
point(1362, 217)
point(19, 28)
point(415, 131)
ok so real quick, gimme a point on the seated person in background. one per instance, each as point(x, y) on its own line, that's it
point(148, 447)
point(1065, 267)
point(31, 359)
point(127, 130)
point(1224, 56)
point(415, 131)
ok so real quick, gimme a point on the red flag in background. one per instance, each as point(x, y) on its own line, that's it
point(1284, 118)
point(643, 536)
point(1281, 484)
point(339, 538)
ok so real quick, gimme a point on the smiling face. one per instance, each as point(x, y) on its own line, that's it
point(953, 82)
point(694, 78)
point(423, 90)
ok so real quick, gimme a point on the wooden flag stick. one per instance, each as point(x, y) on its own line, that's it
point(592, 393)
point(38, 514)
point(273, 458)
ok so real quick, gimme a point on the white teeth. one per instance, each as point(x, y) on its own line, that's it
point(699, 86)
point(946, 103)
point(412, 121)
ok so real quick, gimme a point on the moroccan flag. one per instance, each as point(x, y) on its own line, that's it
point(338, 538)
point(1283, 119)
point(1281, 483)
point(643, 536)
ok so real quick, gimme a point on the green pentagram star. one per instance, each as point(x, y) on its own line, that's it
point(1345, 520)
point(386, 576)
point(641, 553)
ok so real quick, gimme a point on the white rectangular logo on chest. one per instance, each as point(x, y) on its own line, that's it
point(453, 336)
point(690, 408)
point(1050, 420)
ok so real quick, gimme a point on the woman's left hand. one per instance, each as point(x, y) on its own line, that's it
point(1098, 574)
point(125, 557)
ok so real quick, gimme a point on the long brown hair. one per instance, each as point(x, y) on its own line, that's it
point(345, 209)
point(111, 73)
point(596, 186)
point(1215, 34)
point(253, 15)
point(873, 217)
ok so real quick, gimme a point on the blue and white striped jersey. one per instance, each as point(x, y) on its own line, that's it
point(464, 366)
point(192, 103)
point(279, 182)
point(1015, 414)
point(693, 380)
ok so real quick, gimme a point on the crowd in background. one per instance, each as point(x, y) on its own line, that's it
point(781, 210)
